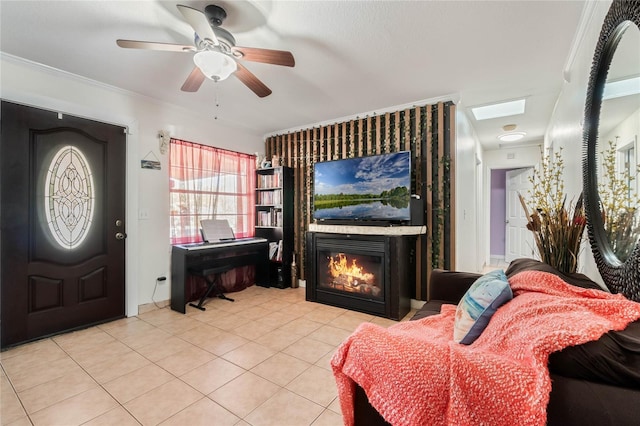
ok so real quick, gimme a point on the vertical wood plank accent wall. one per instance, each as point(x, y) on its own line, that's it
point(427, 131)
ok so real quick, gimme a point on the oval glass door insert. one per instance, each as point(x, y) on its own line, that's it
point(69, 197)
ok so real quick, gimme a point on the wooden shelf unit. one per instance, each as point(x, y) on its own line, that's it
point(274, 218)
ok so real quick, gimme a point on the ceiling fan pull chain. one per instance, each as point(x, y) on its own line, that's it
point(215, 91)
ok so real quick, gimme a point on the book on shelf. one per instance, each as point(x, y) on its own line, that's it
point(273, 250)
point(271, 197)
point(271, 217)
point(270, 181)
point(279, 253)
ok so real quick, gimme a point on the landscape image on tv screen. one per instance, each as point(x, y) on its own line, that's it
point(364, 188)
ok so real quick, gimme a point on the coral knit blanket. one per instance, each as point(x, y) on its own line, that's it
point(415, 374)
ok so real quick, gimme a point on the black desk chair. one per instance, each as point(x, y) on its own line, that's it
point(212, 277)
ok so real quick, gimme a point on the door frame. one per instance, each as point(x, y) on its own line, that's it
point(515, 163)
point(522, 226)
point(131, 176)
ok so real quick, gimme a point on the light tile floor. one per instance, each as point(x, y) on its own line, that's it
point(261, 360)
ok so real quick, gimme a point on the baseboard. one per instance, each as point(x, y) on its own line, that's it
point(148, 307)
point(417, 304)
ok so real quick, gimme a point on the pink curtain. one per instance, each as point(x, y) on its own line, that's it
point(209, 183)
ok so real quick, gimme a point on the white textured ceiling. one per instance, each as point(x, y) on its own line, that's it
point(351, 57)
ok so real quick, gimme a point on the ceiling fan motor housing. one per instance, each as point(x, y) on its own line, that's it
point(227, 41)
point(215, 14)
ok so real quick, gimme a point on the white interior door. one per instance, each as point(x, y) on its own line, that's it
point(518, 239)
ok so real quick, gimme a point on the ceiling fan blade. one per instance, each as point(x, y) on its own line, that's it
point(194, 81)
point(268, 56)
point(252, 82)
point(199, 23)
point(170, 47)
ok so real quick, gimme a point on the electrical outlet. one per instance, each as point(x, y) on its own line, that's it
point(143, 214)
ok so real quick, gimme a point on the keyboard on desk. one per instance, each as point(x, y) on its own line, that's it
point(186, 258)
point(225, 243)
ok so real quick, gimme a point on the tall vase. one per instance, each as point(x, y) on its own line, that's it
point(294, 273)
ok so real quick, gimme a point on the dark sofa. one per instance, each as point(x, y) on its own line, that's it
point(597, 383)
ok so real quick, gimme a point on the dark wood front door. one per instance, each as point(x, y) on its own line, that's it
point(62, 198)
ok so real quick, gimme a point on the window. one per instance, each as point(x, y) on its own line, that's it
point(209, 183)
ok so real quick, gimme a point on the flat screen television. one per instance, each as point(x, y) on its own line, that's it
point(374, 189)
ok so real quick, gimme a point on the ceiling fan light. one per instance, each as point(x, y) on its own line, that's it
point(215, 65)
point(512, 137)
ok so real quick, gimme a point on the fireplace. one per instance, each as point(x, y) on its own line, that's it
point(367, 273)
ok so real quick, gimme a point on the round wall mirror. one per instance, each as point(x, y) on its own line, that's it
point(617, 146)
point(610, 146)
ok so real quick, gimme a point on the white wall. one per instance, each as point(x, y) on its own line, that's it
point(147, 245)
point(625, 130)
point(565, 128)
point(473, 190)
point(466, 205)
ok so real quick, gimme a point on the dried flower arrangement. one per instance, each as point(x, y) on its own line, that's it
point(620, 204)
point(557, 227)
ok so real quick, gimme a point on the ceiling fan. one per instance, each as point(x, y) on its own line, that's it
point(215, 52)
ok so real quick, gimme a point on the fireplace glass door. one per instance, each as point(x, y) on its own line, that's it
point(367, 273)
point(351, 268)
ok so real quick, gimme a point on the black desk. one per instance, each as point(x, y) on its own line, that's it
point(249, 251)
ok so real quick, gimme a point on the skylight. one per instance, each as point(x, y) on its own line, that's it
point(504, 109)
point(620, 88)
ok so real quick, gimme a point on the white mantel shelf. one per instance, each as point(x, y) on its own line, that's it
point(368, 230)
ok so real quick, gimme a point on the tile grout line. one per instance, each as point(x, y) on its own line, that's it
point(15, 392)
point(29, 415)
point(177, 332)
point(216, 356)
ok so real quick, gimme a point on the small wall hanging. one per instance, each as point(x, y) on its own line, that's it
point(150, 161)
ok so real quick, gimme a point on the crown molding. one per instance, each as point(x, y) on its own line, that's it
point(58, 73)
point(55, 72)
point(584, 24)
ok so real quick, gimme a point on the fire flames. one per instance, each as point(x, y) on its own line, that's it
point(353, 274)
